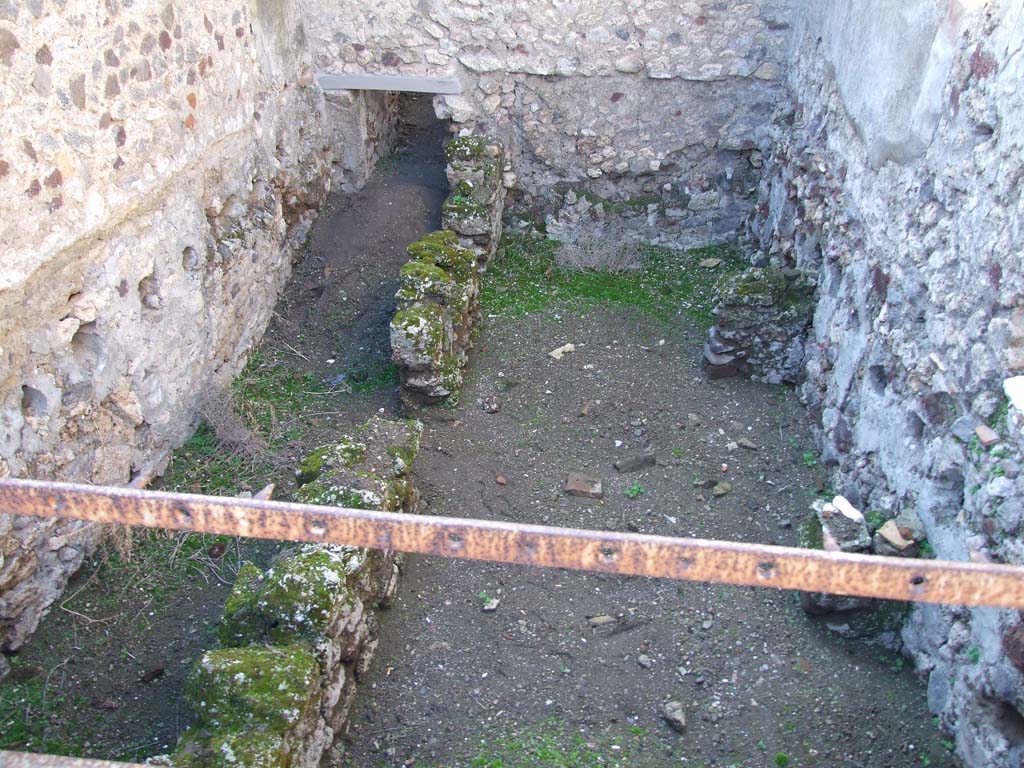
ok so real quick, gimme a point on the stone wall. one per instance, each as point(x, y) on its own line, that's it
point(438, 298)
point(159, 162)
point(296, 639)
point(661, 105)
point(895, 185)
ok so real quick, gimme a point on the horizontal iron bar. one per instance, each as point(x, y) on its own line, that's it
point(721, 562)
point(32, 760)
point(373, 82)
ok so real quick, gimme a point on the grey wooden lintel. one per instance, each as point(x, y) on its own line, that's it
point(375, 82)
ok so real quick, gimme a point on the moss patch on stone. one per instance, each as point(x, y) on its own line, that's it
point(268, 689)
point(451, 379)
point(460, 207)
point(403, 456)
point(296, 601)
point(433, 246)
point(420, 279)
point(345, 453)
point(767, 285)
point(325, 493)
point(424, 326)
point(242, 624)
point(305, 592)
point(466, 148)
point(245, 749)
point(423, 271)
point(810, 533)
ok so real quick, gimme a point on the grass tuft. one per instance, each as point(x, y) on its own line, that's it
point(525, 279)
point(552, 745)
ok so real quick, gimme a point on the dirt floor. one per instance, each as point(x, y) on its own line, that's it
point(761, 684)
point(570, 669)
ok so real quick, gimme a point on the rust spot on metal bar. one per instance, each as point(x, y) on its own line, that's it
point(722, 562)
point(31, 760)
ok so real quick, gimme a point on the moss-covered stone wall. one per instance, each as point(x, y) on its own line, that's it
point(295, 639)
point(440, 284)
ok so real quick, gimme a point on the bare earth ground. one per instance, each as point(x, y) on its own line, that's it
point(532, 683)
point(761, 683)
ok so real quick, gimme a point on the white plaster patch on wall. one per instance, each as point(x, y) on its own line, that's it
point(891, 65)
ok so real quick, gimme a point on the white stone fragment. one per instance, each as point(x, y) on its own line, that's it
point(558, 352)
point(840, 504)
point(1014, 389)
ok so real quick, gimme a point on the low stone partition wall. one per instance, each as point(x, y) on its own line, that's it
point(476, 203)
point(761, 323)
point(440, 285)
point(295, 639)
point(438, 300)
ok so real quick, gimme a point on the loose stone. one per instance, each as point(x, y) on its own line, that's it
point(582, 485)
point(675, 716)
point(635, 463)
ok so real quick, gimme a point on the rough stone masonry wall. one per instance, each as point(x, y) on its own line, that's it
point(295, 640)
point(661, 106)
point(438, 297)
point(158, 162)
point(896, 185)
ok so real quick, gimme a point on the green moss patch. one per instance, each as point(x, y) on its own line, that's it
point(246, 749)
point(553, 744)
point(810, 533)
point(441, 249)
point(424, 326)
point(768, 283)
point(306, 591)
point(268, 689)
point(242, 623)
point(462, 207)
point(465, 148)
point(327, 493)
point(524, 278)
point(768, 287)
point(346, 453)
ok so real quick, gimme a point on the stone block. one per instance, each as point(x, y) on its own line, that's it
point(267, 688)
point(430, 333)
point(635, 463)
point(843, 527)
point(577, 484)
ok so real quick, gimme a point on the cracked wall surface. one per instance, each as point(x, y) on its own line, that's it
point(662, 104)
point(159, 164)
point(895, 182)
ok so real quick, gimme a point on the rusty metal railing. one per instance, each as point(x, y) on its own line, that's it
point(721, 562)
point(32, 760)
